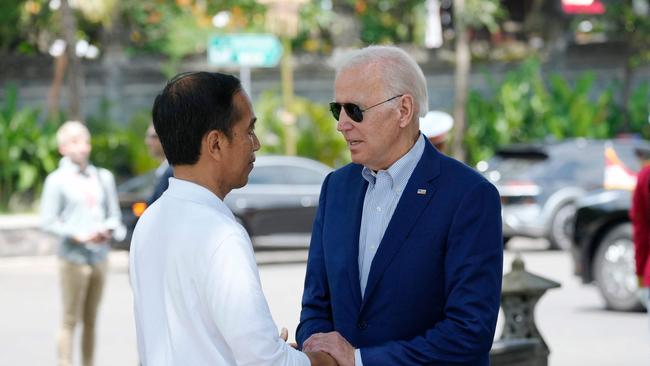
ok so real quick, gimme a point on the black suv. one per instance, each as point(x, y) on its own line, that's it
point(603, 250)
point(539, 183)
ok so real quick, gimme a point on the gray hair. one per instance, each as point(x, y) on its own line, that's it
point(400, 72)
point(70, 129)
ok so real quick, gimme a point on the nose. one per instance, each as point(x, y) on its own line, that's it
point(344, 123)
point(256, 143)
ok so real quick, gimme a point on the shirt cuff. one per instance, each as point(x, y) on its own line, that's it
point(357, 357)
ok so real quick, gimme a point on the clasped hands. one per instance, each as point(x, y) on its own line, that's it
point(331, 343)
point(97, 237)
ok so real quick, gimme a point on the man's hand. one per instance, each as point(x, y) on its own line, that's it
point(284, 335)
point(332, 343)
point(320, 359)
point(97, 237)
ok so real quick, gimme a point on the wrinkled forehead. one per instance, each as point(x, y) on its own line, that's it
point(364, 78)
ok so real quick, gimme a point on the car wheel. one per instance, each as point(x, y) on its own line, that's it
point(614, 270)
point(562, 227)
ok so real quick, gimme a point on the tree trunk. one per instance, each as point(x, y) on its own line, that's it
point(75, 70)
point(114, 58)
point(461, 79)
point(54, 95)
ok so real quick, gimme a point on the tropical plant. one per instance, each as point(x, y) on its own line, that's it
point(27, 152)
point(468, 15)
point(629, 23)
point(120, 148)
point(317, 135)
point(527, 106)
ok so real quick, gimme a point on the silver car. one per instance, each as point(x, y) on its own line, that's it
point(539, 183)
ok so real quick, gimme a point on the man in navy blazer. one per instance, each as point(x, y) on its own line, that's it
point(164, 171)
point(406, 255)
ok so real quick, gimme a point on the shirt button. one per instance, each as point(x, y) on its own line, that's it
point(362, 325)
point(373, 247)
point(378, 209)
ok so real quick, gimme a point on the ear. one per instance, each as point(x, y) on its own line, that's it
point(213, 144)
point(406, 110)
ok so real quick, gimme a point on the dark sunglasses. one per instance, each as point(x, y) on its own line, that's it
point(352, 110)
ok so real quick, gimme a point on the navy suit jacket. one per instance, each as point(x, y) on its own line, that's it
point(433, 290)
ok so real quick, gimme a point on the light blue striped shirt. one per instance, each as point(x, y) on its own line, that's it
point(384, 190)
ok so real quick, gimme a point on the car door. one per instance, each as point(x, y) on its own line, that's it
point(278, 204)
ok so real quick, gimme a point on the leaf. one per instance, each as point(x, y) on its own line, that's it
point(26, 176)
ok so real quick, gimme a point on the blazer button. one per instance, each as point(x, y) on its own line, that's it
point(362, 325)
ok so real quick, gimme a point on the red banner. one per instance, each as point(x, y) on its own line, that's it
point(583, 7)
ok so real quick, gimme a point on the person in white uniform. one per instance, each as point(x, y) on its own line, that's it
point(196, 288)
point(435, 125)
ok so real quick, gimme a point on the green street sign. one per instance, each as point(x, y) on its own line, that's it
point(244, 50)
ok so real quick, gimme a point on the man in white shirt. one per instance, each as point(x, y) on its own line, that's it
point(196, 288)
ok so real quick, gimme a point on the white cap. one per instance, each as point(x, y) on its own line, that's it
point(435, 123)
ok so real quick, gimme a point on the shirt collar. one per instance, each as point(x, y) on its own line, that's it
point(190, 191)
point(66, 164)
point(400, 171)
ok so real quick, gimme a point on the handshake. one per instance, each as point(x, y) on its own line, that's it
point(326, 349)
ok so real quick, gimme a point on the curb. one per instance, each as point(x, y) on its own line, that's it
point(20, 235)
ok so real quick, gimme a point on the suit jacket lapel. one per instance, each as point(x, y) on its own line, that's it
point(355, 199)
point(413, 201)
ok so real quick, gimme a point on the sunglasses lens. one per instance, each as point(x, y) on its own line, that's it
point(335, 108)
point(354, 112)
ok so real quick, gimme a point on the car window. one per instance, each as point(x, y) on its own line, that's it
point(303, 176)
point(285, 174)
point(578, 164)
point(514, 167)
point(268, 175)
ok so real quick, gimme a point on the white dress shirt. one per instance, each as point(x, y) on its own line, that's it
point(196, 288)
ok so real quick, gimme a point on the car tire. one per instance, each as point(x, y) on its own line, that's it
point(614, 272)
point(561, 232)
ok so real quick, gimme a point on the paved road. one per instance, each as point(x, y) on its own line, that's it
point(571, 319)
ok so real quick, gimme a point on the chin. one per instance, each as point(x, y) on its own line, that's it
point(242, 183)
point(358, 159)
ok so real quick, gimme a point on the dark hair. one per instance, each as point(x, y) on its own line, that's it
point(191, 105)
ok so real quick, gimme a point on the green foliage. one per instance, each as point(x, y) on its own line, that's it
point(638, 109)
point(387, 21)
point(632, 28)
point(317, 135)
point(483, 13)
point(522, 107)
point(9, 17)
point(120, 149)
point(315, 24)
point(178, 28)
point(27, 151)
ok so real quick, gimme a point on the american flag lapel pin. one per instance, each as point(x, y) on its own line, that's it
point(422, 191)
